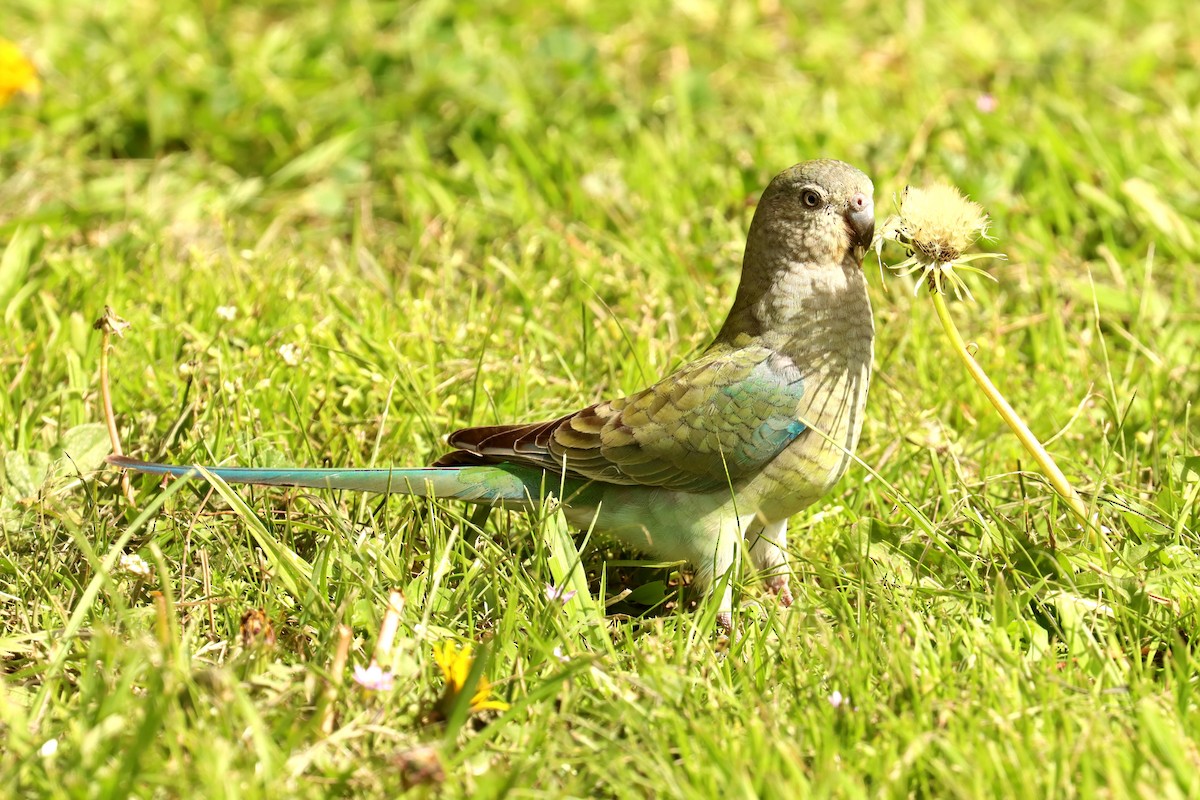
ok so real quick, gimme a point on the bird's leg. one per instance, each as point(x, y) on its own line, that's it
point(715, 564)
point(768, 554)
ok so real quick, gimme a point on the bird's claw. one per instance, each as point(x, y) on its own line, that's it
point(778, 586)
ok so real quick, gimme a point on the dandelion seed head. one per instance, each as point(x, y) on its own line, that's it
point(940, 222)
point(937, 225)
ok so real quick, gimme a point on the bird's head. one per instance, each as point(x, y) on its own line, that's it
point(821, 212)
point(804, 251)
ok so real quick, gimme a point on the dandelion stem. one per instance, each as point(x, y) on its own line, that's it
point(1031, 443)
point(109, 324)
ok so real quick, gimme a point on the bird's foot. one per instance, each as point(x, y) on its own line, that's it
point(778, 586)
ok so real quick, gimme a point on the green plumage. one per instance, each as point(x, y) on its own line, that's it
point(724, 449)
point(721, 417)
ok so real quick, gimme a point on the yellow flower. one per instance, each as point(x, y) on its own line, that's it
point(456, 668)
point(16, 72)
point(937, 225)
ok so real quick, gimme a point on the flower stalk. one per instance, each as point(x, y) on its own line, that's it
point(109, 325)
point(1043, 458)
point(936, 225)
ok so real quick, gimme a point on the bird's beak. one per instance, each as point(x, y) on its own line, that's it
point(860, 217)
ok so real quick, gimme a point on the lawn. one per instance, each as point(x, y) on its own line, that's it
point(341, 229)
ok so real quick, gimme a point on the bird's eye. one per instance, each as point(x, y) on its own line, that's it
point(810, 198)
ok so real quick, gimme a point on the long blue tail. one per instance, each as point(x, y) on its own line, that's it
point(501, 484)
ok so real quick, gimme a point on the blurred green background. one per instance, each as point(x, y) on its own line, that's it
point(341, 229)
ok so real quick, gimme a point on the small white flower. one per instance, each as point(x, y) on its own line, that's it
point(48, 748)
point(227, 313)
point(558, 593)
point(604, 184)
point(835, 699)
point(290, 353)
point(558, 653)
point(374, 678)
point(133, 564)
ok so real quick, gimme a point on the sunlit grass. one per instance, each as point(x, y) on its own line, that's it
point(341, 230)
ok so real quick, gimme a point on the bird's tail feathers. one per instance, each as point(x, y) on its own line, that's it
point(500, 484)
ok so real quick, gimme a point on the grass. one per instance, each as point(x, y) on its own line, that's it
point(432, 215)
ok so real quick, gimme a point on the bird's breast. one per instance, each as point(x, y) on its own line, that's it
point(834, 353)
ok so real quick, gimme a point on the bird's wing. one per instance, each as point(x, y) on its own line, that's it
point(719, 418)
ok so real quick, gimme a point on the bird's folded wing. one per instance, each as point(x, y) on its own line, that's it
point(715, 420)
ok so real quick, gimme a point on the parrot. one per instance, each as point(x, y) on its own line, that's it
point(713, 459)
